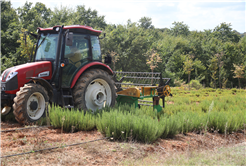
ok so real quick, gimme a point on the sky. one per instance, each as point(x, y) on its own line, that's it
point(199, 15)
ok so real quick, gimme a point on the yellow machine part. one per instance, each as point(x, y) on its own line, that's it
point(166, 91)
point(134, 92)
point(148, 90)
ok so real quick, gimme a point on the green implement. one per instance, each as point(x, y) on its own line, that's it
point(133, 87)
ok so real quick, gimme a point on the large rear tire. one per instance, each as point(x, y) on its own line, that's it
point(30, 103)
point(94, 90)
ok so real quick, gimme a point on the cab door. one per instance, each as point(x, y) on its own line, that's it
point(77, 55)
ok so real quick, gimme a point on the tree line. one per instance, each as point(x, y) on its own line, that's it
point(214, 57)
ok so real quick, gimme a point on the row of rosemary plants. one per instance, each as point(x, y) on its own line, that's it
point(204, 110)
point(223, 114)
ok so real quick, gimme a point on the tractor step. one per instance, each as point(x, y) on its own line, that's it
point(67, 98)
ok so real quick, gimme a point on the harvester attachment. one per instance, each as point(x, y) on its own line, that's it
point(133, 87)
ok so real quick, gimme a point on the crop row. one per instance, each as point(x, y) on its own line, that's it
point(224, 114)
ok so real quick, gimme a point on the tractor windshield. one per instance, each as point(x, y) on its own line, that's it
point(47, 47)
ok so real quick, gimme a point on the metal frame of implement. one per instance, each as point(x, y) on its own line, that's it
point(133, 87)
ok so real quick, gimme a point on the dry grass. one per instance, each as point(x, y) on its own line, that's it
point(190, 149)
point(234, 155)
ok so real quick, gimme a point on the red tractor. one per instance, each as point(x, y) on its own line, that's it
point(66, 69)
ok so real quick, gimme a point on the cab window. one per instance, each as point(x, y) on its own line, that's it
point(96, 51)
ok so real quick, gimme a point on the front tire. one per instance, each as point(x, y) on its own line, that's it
point(94, 90)
point(30, 103)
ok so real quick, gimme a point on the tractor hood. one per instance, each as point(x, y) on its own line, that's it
point(15, 77)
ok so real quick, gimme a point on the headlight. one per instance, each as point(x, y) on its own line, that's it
point(11, 75)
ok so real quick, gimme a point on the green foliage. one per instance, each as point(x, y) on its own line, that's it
point(33, 17)
point(129, 126)
point(146, 22)
point(170, 125)
point(195, 84)
point(218, 111)
point(71, 120)
point(10, 29)
point(25, 45)
point(180, 29)
point(130, 43)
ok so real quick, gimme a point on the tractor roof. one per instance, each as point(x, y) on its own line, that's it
point(73, 28)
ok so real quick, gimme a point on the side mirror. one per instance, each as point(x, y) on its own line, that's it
point(108, 59)
point(69, 39)
point(104, 35)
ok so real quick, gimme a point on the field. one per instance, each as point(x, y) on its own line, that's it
point(201, 127)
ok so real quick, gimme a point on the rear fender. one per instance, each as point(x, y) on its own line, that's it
point(93, 65)
point(45, 84)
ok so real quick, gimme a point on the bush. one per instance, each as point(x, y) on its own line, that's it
point(126, 123)
point(195, 84)
point(233, 90)
point(226, 122)
point(71, 120)
point(179, 82)
point(170, 127)
point(128, 126)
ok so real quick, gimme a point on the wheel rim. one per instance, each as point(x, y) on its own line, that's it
point(35, 106)
point(97, 95)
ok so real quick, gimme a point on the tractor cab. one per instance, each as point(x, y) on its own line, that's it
point(79, 45)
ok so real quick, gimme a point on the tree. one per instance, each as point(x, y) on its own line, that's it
point(224, 32)
point(213, 69)
point(131, 43)
point(180, 29)
point(33, 17)
point(115, 58)
point(238, 72)
point(10, 29)
point(220, 65)
point(89, 17)
point(188, 66)
point(152, 60)
point(26, 45)
point(146, 23)
point(61, 16)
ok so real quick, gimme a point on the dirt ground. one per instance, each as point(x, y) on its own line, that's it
point(101, 152)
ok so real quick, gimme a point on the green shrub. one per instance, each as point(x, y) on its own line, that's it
point(226, 122)
point(233, 90)
point(72, 120)
point(208, 90)
point(195, 84)
point(225, 113)
point(170, 127)
point(126, 126)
